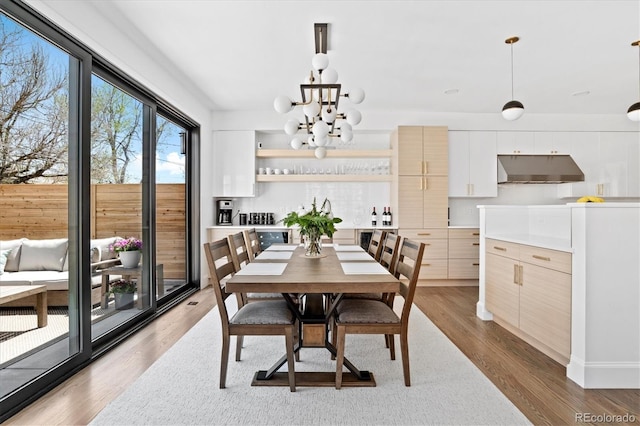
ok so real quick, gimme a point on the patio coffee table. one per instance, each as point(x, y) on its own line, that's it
point(9, 293)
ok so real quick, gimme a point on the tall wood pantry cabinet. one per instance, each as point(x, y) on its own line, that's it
point(421, 164)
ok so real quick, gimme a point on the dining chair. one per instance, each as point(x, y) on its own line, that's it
point(241, 256)
point(253, 242)
point(253, 319)
point(366, 316)
point(375, 244)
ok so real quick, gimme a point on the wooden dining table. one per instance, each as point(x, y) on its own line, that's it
point(313, 287)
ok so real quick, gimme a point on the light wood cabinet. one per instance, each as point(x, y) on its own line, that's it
point(528, 288)
point(423, 186)
point(434, 260)
point(464, 253)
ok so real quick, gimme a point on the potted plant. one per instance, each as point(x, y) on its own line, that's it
point(123, 291)
point(128, 250)
point(313, 225)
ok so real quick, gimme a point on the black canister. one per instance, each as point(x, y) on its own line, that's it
point(243, 219)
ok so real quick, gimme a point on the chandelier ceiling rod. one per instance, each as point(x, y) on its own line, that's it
point(321, 37)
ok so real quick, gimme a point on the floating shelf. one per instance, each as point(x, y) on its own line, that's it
point(331, 153)
point(323, 178)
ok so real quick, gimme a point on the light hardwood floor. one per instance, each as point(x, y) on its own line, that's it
point(533, 382)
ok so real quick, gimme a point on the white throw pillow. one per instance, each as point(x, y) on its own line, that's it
point(43, 255)
point(13, 259)
point(4, 254)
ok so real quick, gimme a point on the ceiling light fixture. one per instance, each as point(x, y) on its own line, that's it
point(634, 110)
point(320, 96)
point(513, 109)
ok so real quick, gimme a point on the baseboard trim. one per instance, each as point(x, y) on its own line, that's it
point(604, 375)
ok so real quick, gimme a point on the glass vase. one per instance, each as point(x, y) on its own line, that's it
point(313, 246)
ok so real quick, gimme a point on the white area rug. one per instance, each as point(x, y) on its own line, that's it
point(181, 388)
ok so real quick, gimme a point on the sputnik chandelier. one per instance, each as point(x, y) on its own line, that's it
point(320, 96)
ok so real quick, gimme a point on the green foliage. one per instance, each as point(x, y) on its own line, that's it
point(122, 286)
point(315, 222)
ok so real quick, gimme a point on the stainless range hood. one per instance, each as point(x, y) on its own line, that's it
point(538, 169)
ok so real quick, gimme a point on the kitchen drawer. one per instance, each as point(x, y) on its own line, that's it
point(426, 233)
point(464, 248)
point(464, 233)
point(435, 249)
point(433, 269)
point(547, 258)
point(463, 269)
point(503, 248)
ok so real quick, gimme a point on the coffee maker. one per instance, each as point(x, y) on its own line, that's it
point(225, 212)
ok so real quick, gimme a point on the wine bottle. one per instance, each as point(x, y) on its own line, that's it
point(389, 216)
point(374, 217)
point(384, 217)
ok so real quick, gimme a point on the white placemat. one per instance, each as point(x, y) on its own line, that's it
point(275, 255)
point(260, 268)
point(347, 248)
point(353, 268)
point(353, 255)
point(281, 247)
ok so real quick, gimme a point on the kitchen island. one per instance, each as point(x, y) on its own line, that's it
point(596, 295)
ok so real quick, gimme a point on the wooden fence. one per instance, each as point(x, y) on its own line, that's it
point(41, 211)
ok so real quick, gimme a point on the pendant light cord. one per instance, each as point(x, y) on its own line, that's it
point(512, 98)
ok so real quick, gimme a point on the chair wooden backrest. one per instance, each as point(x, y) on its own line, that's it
point(253, 242)
point(239, 251)
point(408, 267)
point(221, 266)
point(375, 244)
point(389, 254)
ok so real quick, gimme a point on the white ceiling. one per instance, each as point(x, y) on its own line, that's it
point(404, 54)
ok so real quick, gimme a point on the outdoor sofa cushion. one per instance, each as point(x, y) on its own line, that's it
point(43, 255)
point(13, 259)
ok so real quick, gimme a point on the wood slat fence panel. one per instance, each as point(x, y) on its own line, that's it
point(41, 211)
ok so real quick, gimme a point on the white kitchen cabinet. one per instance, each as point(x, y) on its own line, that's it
point(609, 161)
point(552, 143)
point(515, 143)
point(473, 164)
point(234, 164)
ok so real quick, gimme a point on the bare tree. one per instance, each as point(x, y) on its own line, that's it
point(33, 112)
point(115, 129)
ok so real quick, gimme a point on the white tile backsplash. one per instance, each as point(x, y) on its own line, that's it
point(351, 201)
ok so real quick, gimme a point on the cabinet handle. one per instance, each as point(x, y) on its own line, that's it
point(475, 264)
point(499, 248)
point(535, 256)
point(521, 268)
point(515, 274)
point(424, 233)
point(422, 167)
point(426, 183)
point(421, 184)
point(475, 233)
point(426, 264)
point(475, 244)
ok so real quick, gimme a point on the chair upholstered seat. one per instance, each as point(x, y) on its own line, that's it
point(258, 296)
point(365, 311)
point(267, 312)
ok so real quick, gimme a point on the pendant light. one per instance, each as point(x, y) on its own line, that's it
point(634, 110)
point(513, 109)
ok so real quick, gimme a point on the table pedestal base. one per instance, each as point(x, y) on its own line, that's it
point(313, 378)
